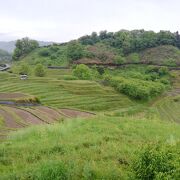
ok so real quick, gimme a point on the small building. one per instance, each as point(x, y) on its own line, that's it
point(23, 76)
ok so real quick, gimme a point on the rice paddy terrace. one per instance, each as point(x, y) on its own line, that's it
point(59, 99)
point(168, 107)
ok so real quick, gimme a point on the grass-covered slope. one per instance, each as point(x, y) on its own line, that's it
point(54, 91)
point(168, 106)
point(98, 148)
point(163, 55)
point(56, 55)
point(51, 55)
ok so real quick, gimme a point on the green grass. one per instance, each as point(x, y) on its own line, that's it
point(57, 56)
point(84, 95)
point(102, 147)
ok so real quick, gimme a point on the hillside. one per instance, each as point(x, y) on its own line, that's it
point(85, 129)
point(93, 122)
point(112, 48)
point(57, 56)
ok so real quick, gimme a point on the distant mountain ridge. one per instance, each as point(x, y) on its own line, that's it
point(10, 46)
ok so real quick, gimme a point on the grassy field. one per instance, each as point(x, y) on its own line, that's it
point(103, 146)
point(168, 106)
point(53, 91)
point(98, 148)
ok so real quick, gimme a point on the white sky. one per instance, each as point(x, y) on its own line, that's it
point(63, 20)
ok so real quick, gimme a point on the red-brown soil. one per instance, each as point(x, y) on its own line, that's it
point(9, 121)
point(7, 96)
point(26, 116)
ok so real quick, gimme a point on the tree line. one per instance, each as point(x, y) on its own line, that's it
point(132, 41)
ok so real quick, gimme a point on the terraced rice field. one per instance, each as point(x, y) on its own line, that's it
point(168, 107)
point(59, 99)
point(83, 95)
point(13, 118)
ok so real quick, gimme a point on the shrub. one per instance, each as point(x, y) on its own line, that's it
point(157, 161)
point(119, 60)
point(75, 51)
point(134, 57)
point(152, 68)
point(136, 88)
point(82, 72)
point(53, 56)
point(44, 52)
point(24, 69)
point(163, 71)
point(39, 70)
point(54, 48)
point(69, 77)
point(170, 62)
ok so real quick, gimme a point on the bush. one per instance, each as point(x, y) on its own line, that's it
point(44, 52)
point(163, 71)
point(69, 77)
point(75, 51)
point(170, 62)
point(39, 70)
point(119, 60)
point(134, 57)
point(24, 69)
point(53, 56)
point(82, 72)
point(136, 88)
point(157, 161)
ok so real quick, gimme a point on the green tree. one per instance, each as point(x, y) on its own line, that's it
point(82, 72)
point(157, 161)
point(75, 51)
point(119, 59)
point(23, 47)
point(39, 70)
point(24, 69)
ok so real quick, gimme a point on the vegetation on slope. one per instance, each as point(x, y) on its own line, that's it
point(121, 47)
point(97, 148)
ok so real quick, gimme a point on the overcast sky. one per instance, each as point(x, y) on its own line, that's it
point(63, 20)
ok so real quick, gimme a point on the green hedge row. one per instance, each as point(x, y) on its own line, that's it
point(136, 88)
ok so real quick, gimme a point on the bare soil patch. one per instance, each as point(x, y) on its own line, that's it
point(26, 116)
point(8, 96)
point(9, 121)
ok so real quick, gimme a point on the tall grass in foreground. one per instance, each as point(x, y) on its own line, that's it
point(97, 148)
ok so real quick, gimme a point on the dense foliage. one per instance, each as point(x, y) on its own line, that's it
point(136, 88)
point(23, 47)
point(39, 70)
point(157, 161)
point(82, 72)
point(132, 41)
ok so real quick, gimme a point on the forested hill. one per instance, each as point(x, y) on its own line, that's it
point(113, 47)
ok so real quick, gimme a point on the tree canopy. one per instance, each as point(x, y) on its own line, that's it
point(132, 41)
point(23, 47)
